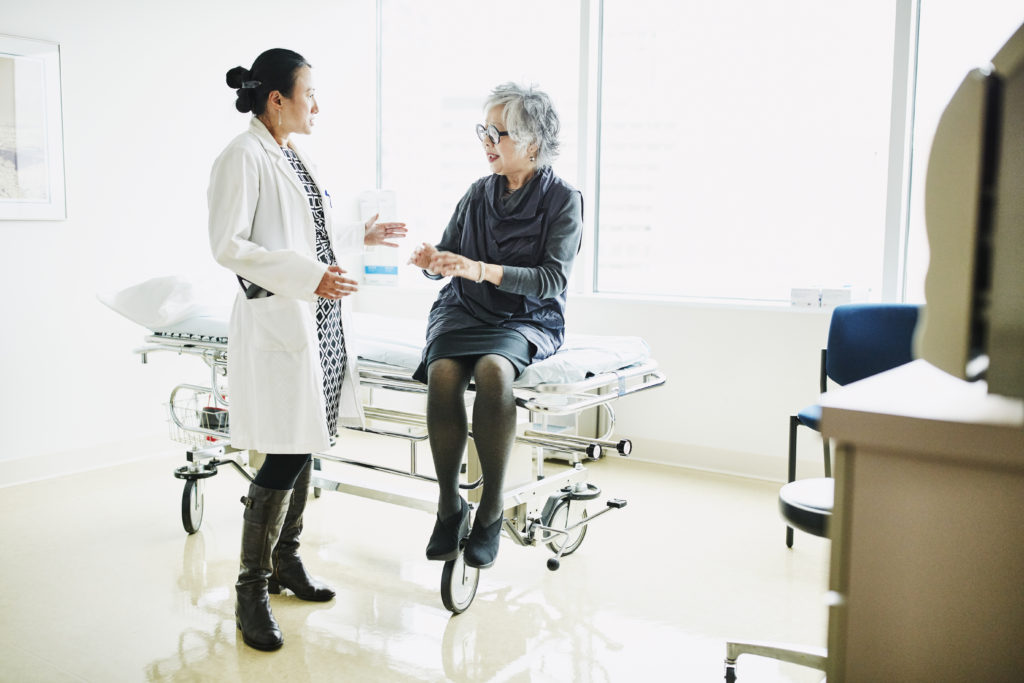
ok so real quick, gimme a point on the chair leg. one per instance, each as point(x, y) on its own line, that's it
point(794, 422)
point(828, 457)
point(812, 657)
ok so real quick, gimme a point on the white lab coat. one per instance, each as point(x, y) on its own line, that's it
point(261, 228)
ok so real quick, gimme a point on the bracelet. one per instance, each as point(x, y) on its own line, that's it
point(481, 278)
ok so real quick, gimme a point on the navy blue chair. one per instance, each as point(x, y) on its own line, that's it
point(863, 340)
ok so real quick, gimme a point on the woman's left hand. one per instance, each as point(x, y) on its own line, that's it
point(377, 234)
point(450, 264)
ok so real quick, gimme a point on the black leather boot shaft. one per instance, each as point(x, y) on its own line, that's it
point(289, 572)
point(264, 515)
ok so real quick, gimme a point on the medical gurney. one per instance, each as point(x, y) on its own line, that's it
point(552, 509)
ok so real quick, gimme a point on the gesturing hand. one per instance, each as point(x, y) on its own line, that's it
point(334, 286)
point(451, 264)
point(377, 234)
point(422, 255)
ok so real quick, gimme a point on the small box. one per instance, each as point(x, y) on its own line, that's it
point(805, 297)
point(831, 296)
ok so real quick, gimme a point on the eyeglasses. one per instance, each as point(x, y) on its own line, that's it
point(491, 132)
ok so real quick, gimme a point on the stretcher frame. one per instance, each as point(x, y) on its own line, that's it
point(551, 510)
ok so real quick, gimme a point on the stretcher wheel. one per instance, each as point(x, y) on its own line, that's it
point(192, 505)
point(458, 585)
point(566, 513)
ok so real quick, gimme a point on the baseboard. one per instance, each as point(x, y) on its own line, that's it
point(50, 465)
point(735, 463)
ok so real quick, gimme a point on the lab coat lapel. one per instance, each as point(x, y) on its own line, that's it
point(273, 150)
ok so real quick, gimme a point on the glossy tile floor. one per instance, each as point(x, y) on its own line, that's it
point(103, 584)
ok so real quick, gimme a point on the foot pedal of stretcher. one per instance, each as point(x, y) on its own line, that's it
point(617, 503)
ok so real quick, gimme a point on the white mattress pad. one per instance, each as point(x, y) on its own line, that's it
point(174, 306)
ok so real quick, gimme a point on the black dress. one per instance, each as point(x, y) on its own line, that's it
point(328, 311)
point(534, 235)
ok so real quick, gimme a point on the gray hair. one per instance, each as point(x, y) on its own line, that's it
point(530, 119)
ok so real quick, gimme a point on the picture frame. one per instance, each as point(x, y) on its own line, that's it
point(31, 131)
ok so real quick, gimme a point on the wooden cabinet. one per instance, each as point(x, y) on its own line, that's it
point(927, 567)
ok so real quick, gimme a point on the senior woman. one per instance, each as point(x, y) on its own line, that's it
point(508, 249)
point(291, 379)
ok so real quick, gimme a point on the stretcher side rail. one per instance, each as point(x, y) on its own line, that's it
point(571, 397)
point(595, 392)
point(214, 347)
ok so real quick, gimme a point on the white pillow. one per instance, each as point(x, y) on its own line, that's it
point(163, 302)
point(585, 355)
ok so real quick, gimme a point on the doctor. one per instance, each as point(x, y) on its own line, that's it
point(291, 377)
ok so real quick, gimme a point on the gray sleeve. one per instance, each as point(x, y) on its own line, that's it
point(551, 277)
point(452, 236)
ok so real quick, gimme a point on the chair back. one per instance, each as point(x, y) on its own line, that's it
point(866, 339)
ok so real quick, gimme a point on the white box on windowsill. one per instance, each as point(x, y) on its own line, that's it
point(836, 296)
point(803, 297)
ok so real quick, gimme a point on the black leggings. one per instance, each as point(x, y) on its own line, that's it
point(280, 470)
point(494, 427)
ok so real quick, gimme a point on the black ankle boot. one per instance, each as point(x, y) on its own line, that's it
point(482, 546)
point(444, 541)
point(289, 572)
point(261, 526)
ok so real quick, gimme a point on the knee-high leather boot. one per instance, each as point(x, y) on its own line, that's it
point(289, 571)
point(261, 526)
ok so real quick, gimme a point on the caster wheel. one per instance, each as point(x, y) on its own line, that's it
point(458, 585)
point(192, 505)
point(564, 515)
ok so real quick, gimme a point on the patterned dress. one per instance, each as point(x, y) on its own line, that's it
point(328, 311)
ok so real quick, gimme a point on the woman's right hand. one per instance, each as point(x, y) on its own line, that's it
point(422, 255)
point(334, 286)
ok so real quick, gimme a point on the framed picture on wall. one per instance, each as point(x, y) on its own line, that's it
point(31, 131)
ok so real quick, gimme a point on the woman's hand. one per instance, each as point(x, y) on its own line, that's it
point(451, 264)
point(422, 255)
point(377, 234)
point(334, 286)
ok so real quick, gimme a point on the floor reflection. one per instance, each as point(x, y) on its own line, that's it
point(613, 611)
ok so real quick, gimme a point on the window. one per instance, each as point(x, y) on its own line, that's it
point(955, 38)
point(439, 63)
point(743, 149)
point(744, 146)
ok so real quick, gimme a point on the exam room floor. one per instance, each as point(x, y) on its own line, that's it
point(103, 584)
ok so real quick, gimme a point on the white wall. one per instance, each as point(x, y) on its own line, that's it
point(145, 112)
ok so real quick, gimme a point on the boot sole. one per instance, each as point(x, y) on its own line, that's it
point(444, 558)
point(259, 646)
point(481, 566)
point(275, 588)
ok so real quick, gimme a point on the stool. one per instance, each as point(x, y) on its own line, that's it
point(805, 504)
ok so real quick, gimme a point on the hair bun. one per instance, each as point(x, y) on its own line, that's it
point(235, 77)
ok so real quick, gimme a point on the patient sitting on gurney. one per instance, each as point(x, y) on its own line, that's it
point(508, 249)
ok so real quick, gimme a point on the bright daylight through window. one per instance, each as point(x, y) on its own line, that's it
point(744, 147)
point(440, 62)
